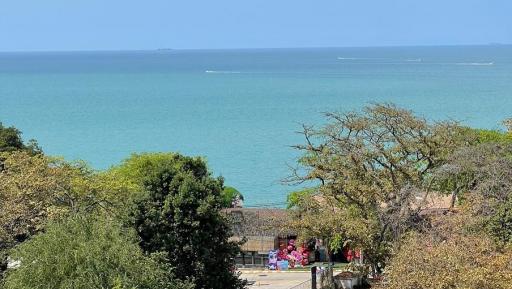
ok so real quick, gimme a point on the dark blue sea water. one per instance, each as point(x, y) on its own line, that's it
point(238, 108)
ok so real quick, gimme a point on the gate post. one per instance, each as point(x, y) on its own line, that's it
point(313, 277)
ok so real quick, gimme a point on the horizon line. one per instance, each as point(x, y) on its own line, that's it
point(249, 48)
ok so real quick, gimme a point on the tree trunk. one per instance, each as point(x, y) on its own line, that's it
point(330, 278)
point(3, 265)
point(454, 198)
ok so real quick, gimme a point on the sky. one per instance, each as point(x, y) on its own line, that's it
point(55, 25)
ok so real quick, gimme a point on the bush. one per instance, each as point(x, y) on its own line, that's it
point(500, 223)
point(452, 257)
point(85, 252)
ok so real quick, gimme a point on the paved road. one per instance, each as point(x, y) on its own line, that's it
point(275, 280)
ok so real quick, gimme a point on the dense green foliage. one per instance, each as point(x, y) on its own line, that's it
point(86, 252)
point(295, 199)
point(33, 189)
point(171, 200)
point(156, 218)
point(377, 168)
point(180, 216)
point(10, 140)
point(482, 176)
point(488, 136)
point(138, 167)
point(500, 223)
point(231, 197)
point(36, 189)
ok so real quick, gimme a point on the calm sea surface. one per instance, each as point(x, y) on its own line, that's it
point(237, 108)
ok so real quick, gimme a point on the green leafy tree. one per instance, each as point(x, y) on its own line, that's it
point(106, 192)
point(10, 140)
point(296, 198)
point(378, 163)
point(314, 216)
point(483, 177)
point(37, 188)
point(138, 167)
point(86, 252)
point(231, 197)
point(180, 216)
point(479, 136)
point(500, 223)
point(460, 171)
point(33, 189)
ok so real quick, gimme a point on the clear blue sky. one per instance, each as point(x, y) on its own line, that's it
point(150, 24)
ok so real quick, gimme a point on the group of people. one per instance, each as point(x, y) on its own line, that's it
point(288, 256)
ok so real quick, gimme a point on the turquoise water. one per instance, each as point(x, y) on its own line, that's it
point(238, 108)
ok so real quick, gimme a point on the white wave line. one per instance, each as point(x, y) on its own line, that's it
point(222, 71)
point(475, 63)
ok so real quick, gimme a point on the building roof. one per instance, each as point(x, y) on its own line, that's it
point(270, 222)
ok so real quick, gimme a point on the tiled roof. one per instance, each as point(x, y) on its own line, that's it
point(258, 222)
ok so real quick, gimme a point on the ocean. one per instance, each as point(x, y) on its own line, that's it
point(240, 109)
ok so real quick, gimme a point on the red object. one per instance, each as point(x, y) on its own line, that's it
point(350, 255)
point(282, 255)
point(305, 258)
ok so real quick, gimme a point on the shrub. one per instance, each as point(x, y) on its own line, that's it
point(452, 257)
point(84, 252)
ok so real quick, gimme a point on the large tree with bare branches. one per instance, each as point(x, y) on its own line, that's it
point(376, 164)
